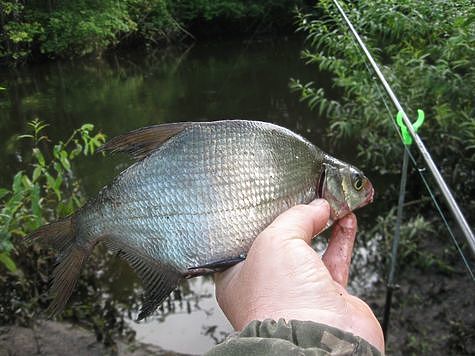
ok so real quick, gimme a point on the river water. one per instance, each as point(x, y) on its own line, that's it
point(125, 91)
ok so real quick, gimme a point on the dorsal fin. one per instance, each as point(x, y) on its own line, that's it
point(141, 142)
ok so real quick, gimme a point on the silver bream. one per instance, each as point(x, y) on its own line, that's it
point(198, 195)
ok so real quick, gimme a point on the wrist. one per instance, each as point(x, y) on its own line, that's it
point(351, 315)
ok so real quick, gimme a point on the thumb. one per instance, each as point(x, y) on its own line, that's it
point(300, 221)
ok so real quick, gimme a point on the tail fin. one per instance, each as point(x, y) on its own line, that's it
point(58, 235)
point(61, 236)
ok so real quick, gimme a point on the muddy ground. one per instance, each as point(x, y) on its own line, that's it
point(51, 338)
point(433, 310)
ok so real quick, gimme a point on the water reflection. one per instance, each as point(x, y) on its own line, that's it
point(195, 325)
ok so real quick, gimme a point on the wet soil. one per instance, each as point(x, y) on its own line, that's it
point(59, 338)
point(433, 309)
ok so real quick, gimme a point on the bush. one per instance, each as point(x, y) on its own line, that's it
point(426, 50)
point(83, 27)
point(427, 53)
point(46, 190)
point(78, 28)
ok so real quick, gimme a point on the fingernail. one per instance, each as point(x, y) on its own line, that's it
point(348, 221)
point(318, 202)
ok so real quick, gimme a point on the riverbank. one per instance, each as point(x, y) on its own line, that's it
point(51, 338)
point(433, 314)
point(31, 31)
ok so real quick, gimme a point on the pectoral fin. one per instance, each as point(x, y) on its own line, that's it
point(215, 266)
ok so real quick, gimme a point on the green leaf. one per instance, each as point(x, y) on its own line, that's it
point(54, 184)
point(87, 127)
point(76, 201)
point(40, 127)
point(58, 182)
point(35, 204)
point(49, 181)
point(64, 160)
point(39, 156)
point(37, 172)
point(3, 192)
point(27, 184)
point(76, 151)
point(58, 168)
point(8, 262)
point(25, 136)
point(56, 150)
point(17, 186)
point(85, 139)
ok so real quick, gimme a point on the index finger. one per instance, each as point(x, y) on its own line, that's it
point(337, 257)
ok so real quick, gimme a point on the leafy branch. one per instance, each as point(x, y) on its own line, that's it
point(46, 189)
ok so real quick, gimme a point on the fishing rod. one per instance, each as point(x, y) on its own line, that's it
point(453, 206)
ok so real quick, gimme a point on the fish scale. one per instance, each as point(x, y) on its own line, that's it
point(195, 200)
point(229, 196)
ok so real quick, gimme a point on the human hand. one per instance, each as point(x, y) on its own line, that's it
point(283, 277)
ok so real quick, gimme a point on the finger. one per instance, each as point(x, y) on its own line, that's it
point(300, 221)
point(337, 257)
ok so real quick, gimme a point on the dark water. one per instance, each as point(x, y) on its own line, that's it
point(123, 92)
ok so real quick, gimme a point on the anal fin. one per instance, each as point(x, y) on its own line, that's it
point(158, 280)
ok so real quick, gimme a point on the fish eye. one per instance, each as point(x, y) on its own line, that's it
point(357, 180)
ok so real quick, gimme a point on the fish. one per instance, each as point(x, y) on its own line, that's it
point(194, 200)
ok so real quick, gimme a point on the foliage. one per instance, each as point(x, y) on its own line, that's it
point(43, 191)
point(76, 28)
point(153, 20)
point(413, 231)
point(191, 10)
point(17, 34)
point(427, 52)
point(46, 190)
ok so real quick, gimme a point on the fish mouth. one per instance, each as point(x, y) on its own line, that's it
point(370, 194)
point(321, 183)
